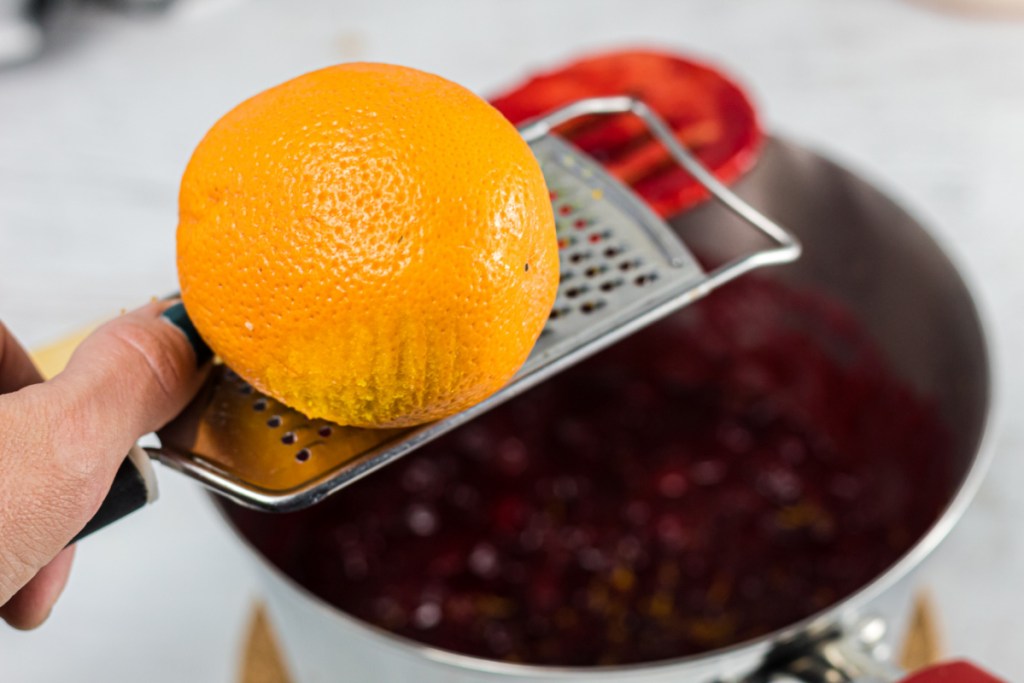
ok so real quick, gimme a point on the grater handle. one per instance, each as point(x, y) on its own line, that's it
point(787, 247)
point(134, 487)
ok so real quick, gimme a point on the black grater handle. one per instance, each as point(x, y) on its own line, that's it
point(133, 487)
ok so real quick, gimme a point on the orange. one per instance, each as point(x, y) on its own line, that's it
point(367, 243)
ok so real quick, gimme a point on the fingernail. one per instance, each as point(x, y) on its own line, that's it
point(177, 316)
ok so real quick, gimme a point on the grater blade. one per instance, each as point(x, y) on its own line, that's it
point(622, 268)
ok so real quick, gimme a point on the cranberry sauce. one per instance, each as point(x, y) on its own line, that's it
point(729, 471)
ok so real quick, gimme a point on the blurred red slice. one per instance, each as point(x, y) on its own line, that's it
point(709, 114)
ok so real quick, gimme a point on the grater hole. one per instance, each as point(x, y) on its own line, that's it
point(591, 306)
point(574, 292)
point(580, 223)
point(565, 210)
point(579, 256)
point(645, 279)
point(629, 265)
point(245, 389)
point(561, 312)
point(325, 431)
point(565, 275)
point(610, 285)
point(288, 439)
point(594, 271)
point(274, 421)
point(260, 405)
point(595, 238)
point(566, 242)
point(303, 455)
point(612, 252)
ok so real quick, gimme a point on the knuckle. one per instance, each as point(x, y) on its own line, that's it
point(78, 483)
point(55, 445)
point(63, 429)
point(151, 347)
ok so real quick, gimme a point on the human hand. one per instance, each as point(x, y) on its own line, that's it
point(62, 441)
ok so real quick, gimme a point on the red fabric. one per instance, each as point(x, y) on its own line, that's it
point(710, 114)
point(952, 672)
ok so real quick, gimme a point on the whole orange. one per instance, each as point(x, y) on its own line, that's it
point(368, 243)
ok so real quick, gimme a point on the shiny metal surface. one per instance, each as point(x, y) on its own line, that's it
point(861, 248)
point(858, 655)
point(622, 268)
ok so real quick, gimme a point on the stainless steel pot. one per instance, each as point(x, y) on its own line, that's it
point(860, 248)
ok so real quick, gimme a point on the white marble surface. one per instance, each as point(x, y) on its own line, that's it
point(93, 139)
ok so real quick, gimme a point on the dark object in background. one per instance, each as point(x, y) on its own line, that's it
point(29, 27)
point(21, 31)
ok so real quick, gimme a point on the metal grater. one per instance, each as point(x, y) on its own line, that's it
point(622, 269)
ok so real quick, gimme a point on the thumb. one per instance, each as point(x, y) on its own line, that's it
point(63, 440)
point(134, 374)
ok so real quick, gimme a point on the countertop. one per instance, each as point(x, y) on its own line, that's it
point(95, 134)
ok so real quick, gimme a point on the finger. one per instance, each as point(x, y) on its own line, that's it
point(33, 603)
point(64, 439)
point(16, 368)
point(147, 364)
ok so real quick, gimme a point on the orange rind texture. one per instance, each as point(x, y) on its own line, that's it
point(369, 244)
